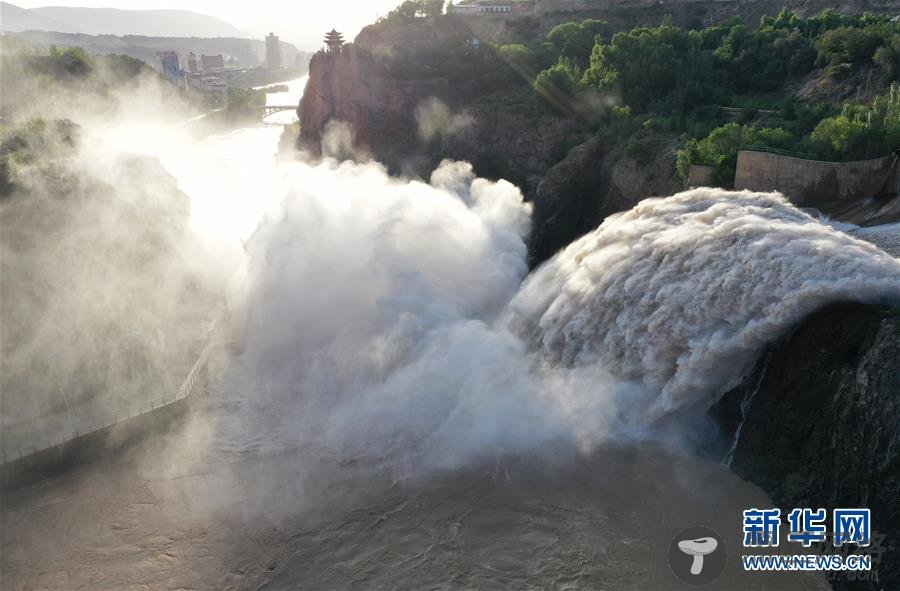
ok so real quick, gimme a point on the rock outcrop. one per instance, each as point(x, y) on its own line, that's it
point(815, 423)
point(414, 93)
point(592, 182)
point(344, 88)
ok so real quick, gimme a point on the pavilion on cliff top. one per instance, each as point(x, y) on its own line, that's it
point(334, 41)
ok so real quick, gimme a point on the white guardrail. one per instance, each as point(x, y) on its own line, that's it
point(136, 410)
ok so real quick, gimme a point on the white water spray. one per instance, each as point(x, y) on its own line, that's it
point(682, 293)
point(378, 311)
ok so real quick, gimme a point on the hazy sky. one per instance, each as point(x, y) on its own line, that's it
point(299, 21)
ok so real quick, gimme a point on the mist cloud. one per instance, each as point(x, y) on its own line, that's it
point(435, 120)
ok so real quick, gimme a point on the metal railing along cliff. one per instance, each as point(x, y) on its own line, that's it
point(98, 424)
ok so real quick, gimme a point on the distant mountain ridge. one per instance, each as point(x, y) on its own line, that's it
point(248, 52)
point(15, 18)
point(113, 21)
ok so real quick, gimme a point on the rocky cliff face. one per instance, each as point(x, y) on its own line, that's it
point(594, 181)
point(410, 125)
point(346, 88)
point(815, 423)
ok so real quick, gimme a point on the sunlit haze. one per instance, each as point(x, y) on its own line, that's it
point(301, 22)
point(508, 294)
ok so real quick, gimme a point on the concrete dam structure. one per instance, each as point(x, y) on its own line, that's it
point(864, 192)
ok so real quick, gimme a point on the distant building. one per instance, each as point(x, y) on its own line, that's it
point(246, 55)
point(193, 67)
point(273, 51)
point(207, 85)
point(334, 41)
point(483, 7)
point(171, 68)
point(212, 62)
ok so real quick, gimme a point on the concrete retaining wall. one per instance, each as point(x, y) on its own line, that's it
point(812, 183)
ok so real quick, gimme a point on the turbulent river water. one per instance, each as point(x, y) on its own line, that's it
point(395, 409)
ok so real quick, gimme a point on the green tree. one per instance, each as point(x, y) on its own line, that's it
point(117, 68)
point(575, 41)
point(827, 20)
point(241, 99)
point(861, 131)
point(719, 149)
point(848, 45)
point(408, 10)
point(661, 65)
point(785, 20)
point(556, 86)
point(888, 57)
point(761, 60)
point(411, 9)
point(71, 62)
point(432, 8)
point(520, 58)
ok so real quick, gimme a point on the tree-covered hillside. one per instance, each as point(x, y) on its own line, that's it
point(677, 81)
point(592, 117)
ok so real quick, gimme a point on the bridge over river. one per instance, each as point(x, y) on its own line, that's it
point(272, 109)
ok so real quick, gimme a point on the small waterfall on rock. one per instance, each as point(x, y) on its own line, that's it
point(744, 408)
